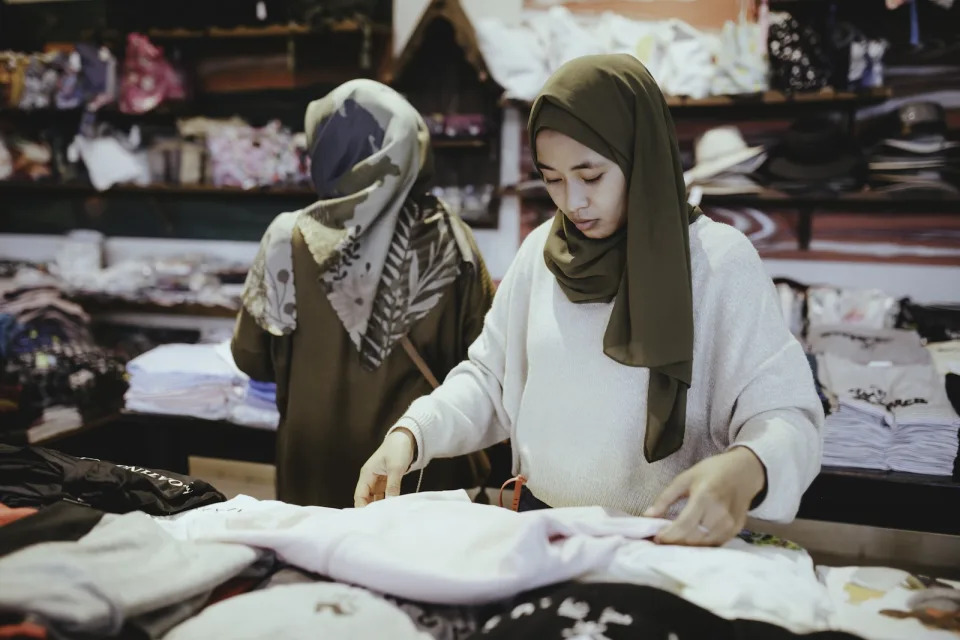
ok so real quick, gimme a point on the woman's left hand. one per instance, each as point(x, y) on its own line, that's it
point(719, 491)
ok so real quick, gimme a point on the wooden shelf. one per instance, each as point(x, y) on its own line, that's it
point(295, 195)
point(856, 202)
point(81, 428)
point(883, 499)
point(471, 143)
point(99, 305)
point(203, 190)
point(266, 31)
point(768, 100)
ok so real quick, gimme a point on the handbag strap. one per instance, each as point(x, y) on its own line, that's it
point(426, 373)
point(419, 361)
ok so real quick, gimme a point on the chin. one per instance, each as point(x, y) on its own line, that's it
point(598, 233)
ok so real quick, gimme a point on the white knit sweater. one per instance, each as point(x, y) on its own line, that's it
point(538, 375)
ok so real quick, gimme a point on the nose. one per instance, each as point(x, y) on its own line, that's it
point(576, 196)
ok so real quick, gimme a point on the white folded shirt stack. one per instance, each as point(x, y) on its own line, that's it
point(195, 380)
point(899, 411)
point(925, 439)
point(856, 435)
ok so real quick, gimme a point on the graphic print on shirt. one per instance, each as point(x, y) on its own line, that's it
point(768, 540)
point(590, 629)
point(582, 626)
point(877, 396)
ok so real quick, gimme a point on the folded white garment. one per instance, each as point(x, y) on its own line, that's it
point(196, 380)
point(183, 365)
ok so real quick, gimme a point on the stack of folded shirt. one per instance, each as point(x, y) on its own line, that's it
point(856, 435)
point(257, 406)
point(183, 379)
point(900, 409)
point(201, 381)
point(253, 404)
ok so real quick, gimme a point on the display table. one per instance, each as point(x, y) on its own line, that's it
point(853, 496)
point(884, 499)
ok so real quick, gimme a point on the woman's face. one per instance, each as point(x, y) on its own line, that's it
point(587, 187)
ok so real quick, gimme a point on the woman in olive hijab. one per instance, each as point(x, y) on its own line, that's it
point(635, 353)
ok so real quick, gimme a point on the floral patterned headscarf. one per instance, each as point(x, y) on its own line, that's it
point(387, 252)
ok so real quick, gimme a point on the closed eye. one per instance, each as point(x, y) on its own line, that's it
point(553, 181)
point(594, 179)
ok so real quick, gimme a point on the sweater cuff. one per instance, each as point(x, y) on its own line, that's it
point(417, 419)
point(770, 442)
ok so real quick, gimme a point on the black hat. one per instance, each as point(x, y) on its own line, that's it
point(816, 149)
point(921, 119)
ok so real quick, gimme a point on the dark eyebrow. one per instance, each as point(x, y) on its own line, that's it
point(582, 165)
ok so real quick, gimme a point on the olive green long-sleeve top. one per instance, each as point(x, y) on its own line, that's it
point(333, 412)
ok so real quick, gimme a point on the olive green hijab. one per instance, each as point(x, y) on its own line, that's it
point(611, 104)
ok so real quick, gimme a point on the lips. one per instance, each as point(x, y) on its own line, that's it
point(585, 225)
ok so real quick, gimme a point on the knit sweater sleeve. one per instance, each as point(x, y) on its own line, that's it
point(764, 396)
point(466, 413)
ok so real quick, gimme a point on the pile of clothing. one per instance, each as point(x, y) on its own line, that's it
point(164, 281)
point(251, 569)
point(87, 76)
point(779, 52)
point(25, 159)
point(249, 157)
point(199, 381)
point(888, 374)
point(53, 374)
point(806, 55)
point(684, 60)
point(223, 153)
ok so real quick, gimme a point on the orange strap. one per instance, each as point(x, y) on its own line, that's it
point(518, 482)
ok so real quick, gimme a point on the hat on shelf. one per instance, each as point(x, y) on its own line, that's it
point(918, 128)
point(721, 150)
point(916, 156)
point(816, 153)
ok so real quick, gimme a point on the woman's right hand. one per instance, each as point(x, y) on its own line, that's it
point(380, 476)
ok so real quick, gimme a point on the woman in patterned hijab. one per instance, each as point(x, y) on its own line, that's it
point(337, 286)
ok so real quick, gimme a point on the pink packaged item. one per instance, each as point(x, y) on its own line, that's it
point(248, 157)
point(148, 78)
